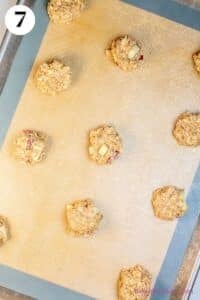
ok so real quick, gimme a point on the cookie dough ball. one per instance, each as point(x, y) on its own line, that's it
point(168, 203)
point(53, 77)
point(125, 53)
point(196, 61)
point(83, 218)
point(30, 146)
point(187, 129)
point(134, 284)
point(4, 230)
point(65, 11)
point(105, 144)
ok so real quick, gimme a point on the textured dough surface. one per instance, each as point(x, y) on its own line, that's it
point(105, 144)
point(168, 203)
point(65, 11)
point(30, 146)
point(196, 61)
point(187, 129)
point(125, 52)
point(53, 77)
point(83, 218)
point(134, 283)
point(4, 230)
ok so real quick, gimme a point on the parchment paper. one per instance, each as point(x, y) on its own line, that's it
point(143, 106)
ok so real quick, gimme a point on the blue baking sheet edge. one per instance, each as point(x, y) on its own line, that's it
point(35, 287)
point(29, 285)
point(21, 67)
point(172, 10)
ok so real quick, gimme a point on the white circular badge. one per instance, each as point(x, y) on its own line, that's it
point(20, 19)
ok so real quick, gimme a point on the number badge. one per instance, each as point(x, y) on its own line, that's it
point(20, 19)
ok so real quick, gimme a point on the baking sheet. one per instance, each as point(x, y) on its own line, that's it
point(182, 11)
point(4, 7)
point(192, 3)
point(142, 106)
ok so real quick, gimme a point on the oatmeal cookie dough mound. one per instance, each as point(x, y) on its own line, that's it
point(125, 53)
point(168, 203)
point(4, 230)
point(53, 77)
point(105, 144)
point(196, 61)
point(30, 146)
point(187, 129)
point(65, 11)
point(134, 284)
point(82, 217)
